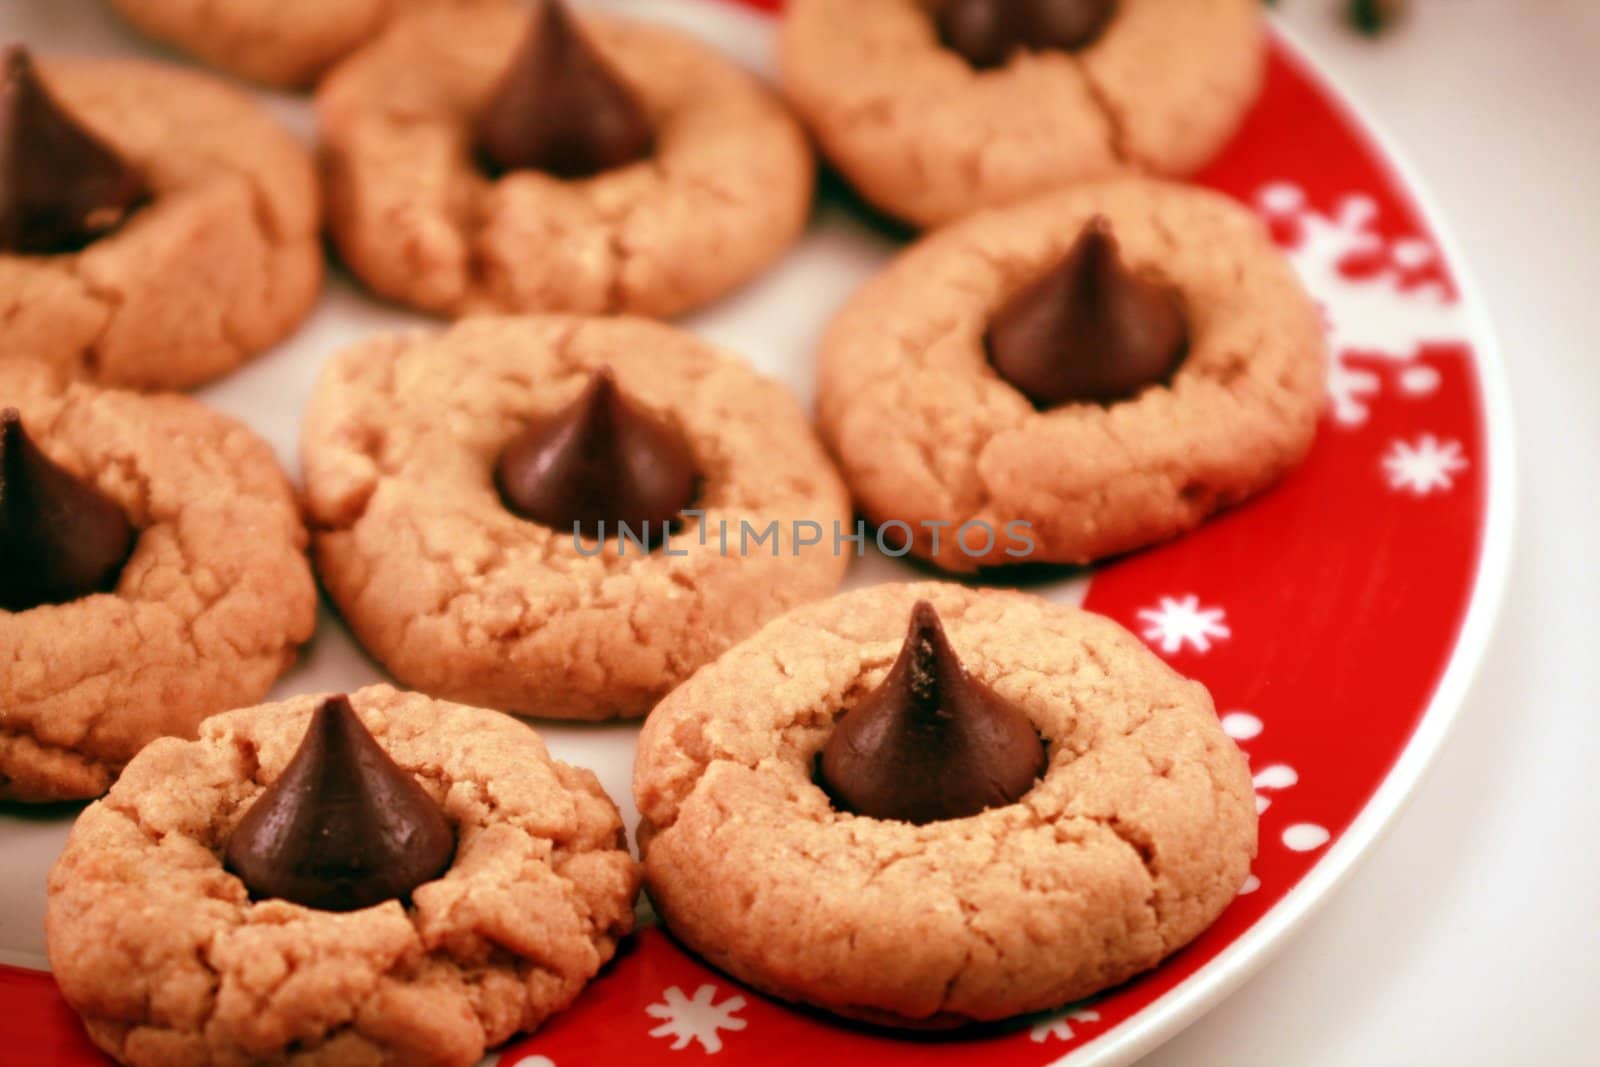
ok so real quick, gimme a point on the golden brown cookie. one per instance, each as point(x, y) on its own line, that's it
point(168, 960)
point(929, 435)
point(287, 43)
point(726, 191)
point(460, 597)
point(928, 138)
point(1138, 834)
point(206, 613)
point(223, 261)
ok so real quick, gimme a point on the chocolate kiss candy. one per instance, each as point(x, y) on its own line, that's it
point(60, 185)
point(560, 108)
point(343, 827)
point(986, 32)
point(598, 461)
point(1090, 330)
point(60, 537)
point(1065, 24)
point(932, 742)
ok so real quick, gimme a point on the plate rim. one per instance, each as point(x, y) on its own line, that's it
point(1221, 976)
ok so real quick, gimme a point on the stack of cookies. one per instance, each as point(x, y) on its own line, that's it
point(920, 805)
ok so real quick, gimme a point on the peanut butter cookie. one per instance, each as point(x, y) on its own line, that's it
point(111, 639)
point(1075, 377)
point(432, 206)
point(1137, 833)
point(928, 133)
point(208, 252)
point(451, 479)
point(170, 958)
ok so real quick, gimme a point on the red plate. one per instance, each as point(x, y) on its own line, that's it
point(1336, 620)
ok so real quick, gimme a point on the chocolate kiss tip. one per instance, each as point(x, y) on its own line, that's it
point(925, 619)
point(931, 742)
point(343, 827)
point(1089, 330)
point(560, 108)
point(61, 186)
point(61, 538)
point(597, 464)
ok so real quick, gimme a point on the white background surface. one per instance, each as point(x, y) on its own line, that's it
point(1470, 936)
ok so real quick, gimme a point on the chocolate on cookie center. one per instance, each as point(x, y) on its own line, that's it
point(343, 827)
point(560, 108)
point(599, 466)
point(931, 742)
point(1089, 330)
point(61, 538)
point(987, 32)
point(61, 185)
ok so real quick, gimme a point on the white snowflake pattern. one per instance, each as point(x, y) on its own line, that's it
point(1178, 622)
point(1424, 466)
point(1272, 778)
point(1059, 1025)
point(698, 1018)
point(1379, 315)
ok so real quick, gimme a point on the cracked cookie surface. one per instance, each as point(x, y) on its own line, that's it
point(224, 260)
point(287, 43)
point(169, 961)
point(927, 138)
point(1139, 833)
point(459, 597)
point(926, 432)
point(727, 190)
point(208, 611)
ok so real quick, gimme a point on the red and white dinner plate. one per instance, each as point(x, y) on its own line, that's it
point(1337, 619)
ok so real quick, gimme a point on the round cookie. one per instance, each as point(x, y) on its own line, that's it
point(926, 432)
point(927, 138)
point(459, 597)
point(727, 190)
point(222, 262)
point(168, 960)
point(287, 44)
point(1138, 834)
point(206, 614)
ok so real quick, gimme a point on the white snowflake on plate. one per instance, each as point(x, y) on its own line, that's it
point(1378, 315)
point(1059, 1025)
point(1423, 466)
point(1179, 622)
point(1272, 778)
point(698, 1018)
